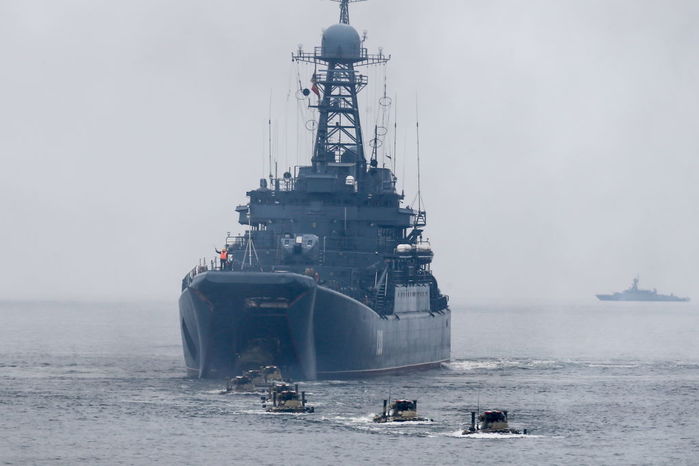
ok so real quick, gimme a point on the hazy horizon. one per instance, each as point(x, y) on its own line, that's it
point(558, 139)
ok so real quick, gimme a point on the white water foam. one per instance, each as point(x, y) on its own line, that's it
point(495, 364)
point(491, 436)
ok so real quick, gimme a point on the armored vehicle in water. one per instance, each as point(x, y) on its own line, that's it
point(399, 411)
point(289, 401)
point(277, 387)
point(240, 384)
point(637, 294)
point(271, 374)
point(256, 376)
point(332, 276)
point(491, 422)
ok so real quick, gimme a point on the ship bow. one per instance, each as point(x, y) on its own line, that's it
point(234, 321)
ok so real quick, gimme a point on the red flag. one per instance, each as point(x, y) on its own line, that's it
point(314, 88)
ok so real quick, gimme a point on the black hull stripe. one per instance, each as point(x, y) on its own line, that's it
point(422, 365)
point(386, 369)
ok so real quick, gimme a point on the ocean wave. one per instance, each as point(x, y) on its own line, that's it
point(611, 365)
point(353, 420)
point(484, 435)
point(499, 364)
point(368, 419)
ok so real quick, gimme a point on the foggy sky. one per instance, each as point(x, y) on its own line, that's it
point(559, 139)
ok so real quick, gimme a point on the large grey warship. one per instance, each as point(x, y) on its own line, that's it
point(634, 293)
point(332, 275)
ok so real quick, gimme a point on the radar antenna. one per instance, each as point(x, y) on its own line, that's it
point(421, 217)
point(344, 9)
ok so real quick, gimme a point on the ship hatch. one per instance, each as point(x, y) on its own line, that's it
point(265, 339)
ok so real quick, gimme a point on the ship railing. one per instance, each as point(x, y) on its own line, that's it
point(196, 270)
point(341, 76)
point(317, 57)
point(283, 184)
point(235, 241)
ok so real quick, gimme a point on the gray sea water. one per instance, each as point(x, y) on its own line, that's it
point(595, 383)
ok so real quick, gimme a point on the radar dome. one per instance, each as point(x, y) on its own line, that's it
point(341, 41)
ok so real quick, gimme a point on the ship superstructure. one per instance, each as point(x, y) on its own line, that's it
point(332, 275)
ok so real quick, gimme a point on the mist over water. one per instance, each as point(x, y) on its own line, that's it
point(558, 139)
point(104, 384)
point(559, 159)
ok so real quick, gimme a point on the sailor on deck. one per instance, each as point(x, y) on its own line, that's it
point(223, 257)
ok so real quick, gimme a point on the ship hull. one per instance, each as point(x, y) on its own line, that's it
point(353, 340)
point(232, 321)
point(656, 298)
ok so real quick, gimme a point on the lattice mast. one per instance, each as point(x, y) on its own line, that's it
point(339, 135)
point(344, 9)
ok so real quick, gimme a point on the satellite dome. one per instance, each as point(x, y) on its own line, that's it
point(341, 41)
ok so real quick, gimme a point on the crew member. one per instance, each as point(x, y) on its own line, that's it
point(223, 257)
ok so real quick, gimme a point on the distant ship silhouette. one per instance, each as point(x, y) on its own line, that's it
point(637, 294)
